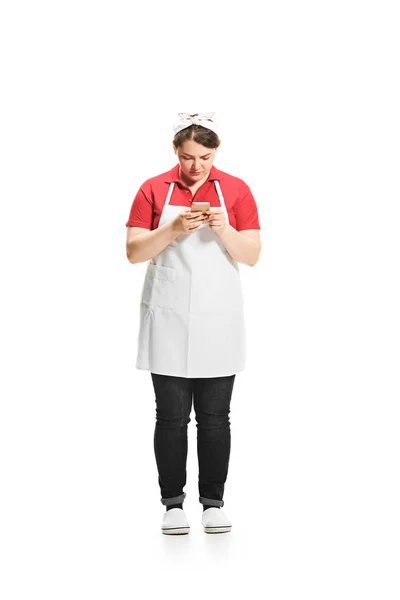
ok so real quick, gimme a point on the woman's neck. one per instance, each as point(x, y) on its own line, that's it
point(192, 184)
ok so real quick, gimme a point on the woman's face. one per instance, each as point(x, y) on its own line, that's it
point(195, 160)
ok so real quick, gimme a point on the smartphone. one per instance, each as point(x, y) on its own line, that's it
point(202, 206)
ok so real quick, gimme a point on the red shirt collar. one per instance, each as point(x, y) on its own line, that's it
point(173, 175)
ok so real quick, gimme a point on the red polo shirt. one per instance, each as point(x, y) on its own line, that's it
point(149, 200)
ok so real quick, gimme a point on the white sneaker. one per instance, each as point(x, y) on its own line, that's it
point(175, 522)
point(215, 521)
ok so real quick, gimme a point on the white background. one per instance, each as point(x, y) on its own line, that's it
point(307, 98)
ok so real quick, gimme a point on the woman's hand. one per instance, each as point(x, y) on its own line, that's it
point(217, 220)
point(188, 221)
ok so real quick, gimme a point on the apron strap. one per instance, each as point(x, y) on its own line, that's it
point(171, 187)
point(220, 195)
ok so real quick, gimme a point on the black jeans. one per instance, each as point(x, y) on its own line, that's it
point(211, 398)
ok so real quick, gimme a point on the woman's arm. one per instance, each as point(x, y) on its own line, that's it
point(244, 246)
point(143, 244)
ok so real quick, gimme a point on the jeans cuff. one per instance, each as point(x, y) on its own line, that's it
point(174, 500)
point(211, 501)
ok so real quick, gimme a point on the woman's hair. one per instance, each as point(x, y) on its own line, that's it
point(199, 134)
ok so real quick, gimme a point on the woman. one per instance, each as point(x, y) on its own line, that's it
point(192, 330)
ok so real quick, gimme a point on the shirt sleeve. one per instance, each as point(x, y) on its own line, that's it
point(246, 209)
point(141, 213)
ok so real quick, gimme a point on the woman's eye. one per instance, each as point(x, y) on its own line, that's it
point(203, 158)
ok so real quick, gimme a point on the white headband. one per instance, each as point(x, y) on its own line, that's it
point(186, 120)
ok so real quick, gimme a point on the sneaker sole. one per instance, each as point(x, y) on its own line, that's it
point(176, 530)
point(224, 529)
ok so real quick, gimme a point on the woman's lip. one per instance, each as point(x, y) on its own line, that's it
point(195, 172)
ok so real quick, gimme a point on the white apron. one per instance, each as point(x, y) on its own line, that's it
point(192, 309)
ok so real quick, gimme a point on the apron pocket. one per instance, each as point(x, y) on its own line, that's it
point(159, 287)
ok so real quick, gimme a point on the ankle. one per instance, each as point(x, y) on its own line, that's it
point(175, 506)
point(205, 506)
